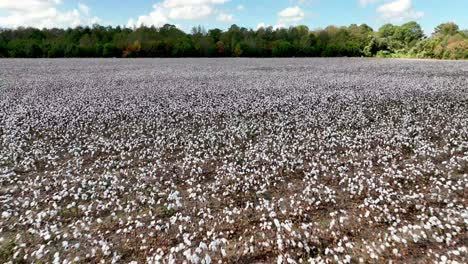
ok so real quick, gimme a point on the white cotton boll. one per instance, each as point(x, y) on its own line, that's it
point(47, 236)
point(347, 259)
point(279, 259)
point(56, 258)
point(203, 246)
point(6, 215)
point(277, 223)
point(279, 242)
point(207, 259)
point(195, 259)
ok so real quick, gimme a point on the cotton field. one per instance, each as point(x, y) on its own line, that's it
point(233, 161)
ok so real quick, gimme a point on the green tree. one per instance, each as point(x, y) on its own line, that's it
point(220, 48)
point(282, 48)
point(3, 49)
point(110, 50)
point(34, 51)
point(387, 31)
point(409, 33)
point(72, 51)
point(17, 48)
point(448, 41)
point(446, 29)
point(56, 51)
point(238, 50)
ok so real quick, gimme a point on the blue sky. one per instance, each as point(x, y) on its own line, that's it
point(223, 13)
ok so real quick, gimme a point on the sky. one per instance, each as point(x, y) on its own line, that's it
point(222, 13)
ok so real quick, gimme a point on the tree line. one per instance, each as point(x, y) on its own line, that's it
point(408, 40)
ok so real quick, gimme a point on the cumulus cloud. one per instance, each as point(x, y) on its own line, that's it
point(291, 15)
point(167, 10)
point(240, 7)
point(286, 17)
point(43, 14)
point(398, 11)
point(223, 17)
point(190, 12)
point(157, 17)
point(261, 25)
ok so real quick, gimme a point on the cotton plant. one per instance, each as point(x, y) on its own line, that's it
point(233, 161)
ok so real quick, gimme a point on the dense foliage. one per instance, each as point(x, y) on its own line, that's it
point(407, 40)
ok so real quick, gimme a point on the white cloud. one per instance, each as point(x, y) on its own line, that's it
point(286, 17)
point(83, 8)
point(168, 10)
point(364, 3)
point(190, 12)
point(398, 11)
point(157, 17)
point(261, 25)
point(240, 7)
point(27, 5)
point(279, 25)
point(223, 17)
point(291, 15)
point(43, 14)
